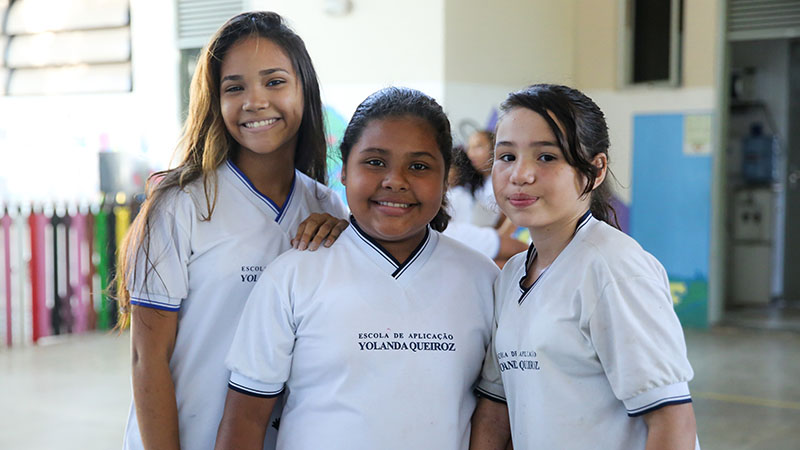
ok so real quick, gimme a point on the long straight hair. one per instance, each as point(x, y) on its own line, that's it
point(205, 142)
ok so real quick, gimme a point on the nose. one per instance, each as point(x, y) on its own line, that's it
point(395, 180)
point(255, 100)
point(522, 173)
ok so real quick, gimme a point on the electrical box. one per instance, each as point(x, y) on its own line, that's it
point(752, 215)
point(752, 246)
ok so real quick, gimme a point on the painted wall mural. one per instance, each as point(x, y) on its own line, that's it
point(670, 214)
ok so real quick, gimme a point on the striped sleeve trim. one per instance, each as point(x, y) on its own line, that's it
point(659, 405)
point(488, 395)
point(248, 386)
point(155, 304)
point(649, 401)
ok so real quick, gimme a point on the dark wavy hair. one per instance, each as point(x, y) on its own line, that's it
point(585, 135)
point(403, 102)
point(468, 175)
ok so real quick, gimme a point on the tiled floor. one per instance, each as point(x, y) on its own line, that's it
point(74, 393)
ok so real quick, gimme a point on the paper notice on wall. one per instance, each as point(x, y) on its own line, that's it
point(697, 134)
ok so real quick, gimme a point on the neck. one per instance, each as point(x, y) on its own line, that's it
point(552, 239)
point(271, 174)
point(402, 250)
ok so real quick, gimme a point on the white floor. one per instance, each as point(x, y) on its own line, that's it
point(69, 393)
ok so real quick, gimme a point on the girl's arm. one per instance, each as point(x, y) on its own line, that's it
point(491, 429)
point(152, 341)
point(244, 422)
point(316, 228)
point(671, 427)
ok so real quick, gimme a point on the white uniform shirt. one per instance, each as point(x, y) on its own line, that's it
point(460, 206)
point(589, 348)
point(373, 354)
point(205, 271)
point(485, 213)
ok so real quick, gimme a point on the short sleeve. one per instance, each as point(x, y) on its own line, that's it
point(260, 357)
point(161, 278)
point(640, 344)
point(490, 384)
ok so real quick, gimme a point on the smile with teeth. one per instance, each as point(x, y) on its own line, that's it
point(395, 205)
point(260, 123)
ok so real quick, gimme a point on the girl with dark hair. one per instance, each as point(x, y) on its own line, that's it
point(376, 343)
point(587, 351)
point(253, 164)
point(484, 212)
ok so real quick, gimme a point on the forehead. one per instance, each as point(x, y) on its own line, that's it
point(401, 134)
point(255, 53)
point(524, 122)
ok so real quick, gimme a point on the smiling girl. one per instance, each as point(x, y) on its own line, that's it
point(379, 339)
point(587, 350)
point(253, 162)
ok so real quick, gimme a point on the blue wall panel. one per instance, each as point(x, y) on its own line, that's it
point(671, 209)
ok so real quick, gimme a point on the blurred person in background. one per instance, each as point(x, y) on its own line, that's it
point(465, 180)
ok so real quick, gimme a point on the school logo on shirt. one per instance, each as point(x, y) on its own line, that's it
point(250, 274)
point(522, 360)
point(403, 341)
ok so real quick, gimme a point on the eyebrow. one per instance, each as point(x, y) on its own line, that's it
point(382, 151)
point(531, 144)
point(262, 73)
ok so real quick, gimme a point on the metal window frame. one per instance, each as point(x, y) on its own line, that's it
point(625, 48)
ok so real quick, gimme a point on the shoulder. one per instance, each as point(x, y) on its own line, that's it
point(176, 202)
point(465, 255)
point(293, 262)
point(606, 248)
point(314, 192)
point(512, 270)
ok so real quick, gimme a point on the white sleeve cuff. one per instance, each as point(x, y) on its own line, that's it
point(491, 390)
point(249, 386)
point(673, 394)
point(156, 301)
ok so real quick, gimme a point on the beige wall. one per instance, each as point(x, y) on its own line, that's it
point(596, 35)
point(493, 48)
point(701, 27)
point(379, 41)
point(509, 41)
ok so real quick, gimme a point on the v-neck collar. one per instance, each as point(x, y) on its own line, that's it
point(388, 263)
point(531, 255)
point(244, 184)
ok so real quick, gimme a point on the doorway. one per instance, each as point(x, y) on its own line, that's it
point(762, 152)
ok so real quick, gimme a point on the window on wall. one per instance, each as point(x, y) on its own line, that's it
point(197, 22)
point(652, 37)
point(77, 46)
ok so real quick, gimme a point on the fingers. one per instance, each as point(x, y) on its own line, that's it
point(335, 232)
point(318, 229)
point(322, 233)
point(306, 231)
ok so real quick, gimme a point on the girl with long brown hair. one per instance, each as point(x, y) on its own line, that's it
point(253, 166)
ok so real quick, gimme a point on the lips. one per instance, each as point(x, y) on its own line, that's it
point(393, 208)
point(522, 200)
point(255, 124)
point(395, 205)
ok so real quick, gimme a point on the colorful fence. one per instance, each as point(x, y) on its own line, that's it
point(56, 263)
